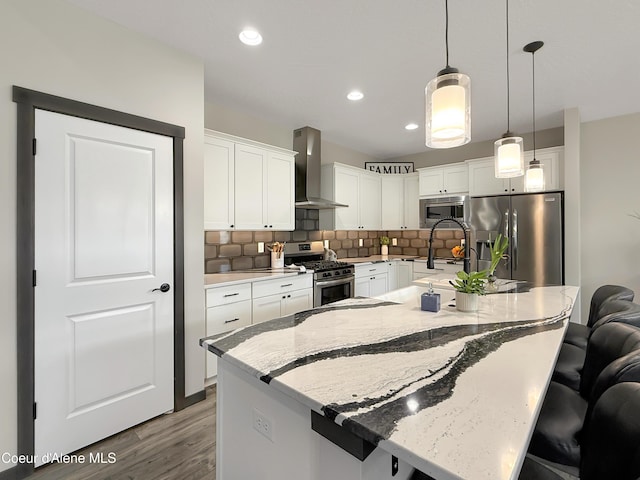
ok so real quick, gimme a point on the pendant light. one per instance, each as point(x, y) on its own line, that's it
point(534, 178)
point(509, 159)
point(448, 104)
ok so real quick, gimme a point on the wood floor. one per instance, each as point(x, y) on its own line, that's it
point(176, 446)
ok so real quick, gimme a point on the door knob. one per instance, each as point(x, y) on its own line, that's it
point(164, 288)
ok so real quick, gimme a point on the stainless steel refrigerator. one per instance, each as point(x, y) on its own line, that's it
point(534, 224)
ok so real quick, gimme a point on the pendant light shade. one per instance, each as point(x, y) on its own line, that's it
point(509, 159)
point(534, 178)
point(508, 151)
point(448, 104)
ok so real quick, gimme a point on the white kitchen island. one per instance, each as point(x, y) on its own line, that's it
point(455, 395)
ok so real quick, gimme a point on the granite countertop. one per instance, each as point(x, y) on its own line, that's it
point(231, 278)
point(454, 394)
point(377, 258)
point(441, 280)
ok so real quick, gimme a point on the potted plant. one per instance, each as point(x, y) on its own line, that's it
point(469, 286)
point(497, 253)
point(384, 245)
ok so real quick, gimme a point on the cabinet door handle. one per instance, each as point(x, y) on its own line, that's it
point(288, 296)
point(231, 294)
point(230, 226)
point(286, 285)
point(372, 269)
point(232, 320)
point(270, 226)
point(265, 226)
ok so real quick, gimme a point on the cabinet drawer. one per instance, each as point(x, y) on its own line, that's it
point(228, 317)
point(229, 294)
point(223, 319)
point(281, 285)
point(371, 269)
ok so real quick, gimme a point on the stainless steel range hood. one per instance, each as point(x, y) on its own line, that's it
point(306, 141)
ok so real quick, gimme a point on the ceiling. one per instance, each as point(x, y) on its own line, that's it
point(316, 51)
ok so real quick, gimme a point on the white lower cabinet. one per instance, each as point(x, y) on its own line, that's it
point(234, 306)
point(372, 279)
point(228, 308)
point(278, 298)
point(400, 274)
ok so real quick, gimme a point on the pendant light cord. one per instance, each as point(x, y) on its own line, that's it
point(446, 29)
point(508, 81)
point(533, 62)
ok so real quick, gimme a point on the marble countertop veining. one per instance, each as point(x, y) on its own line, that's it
point(454, 394)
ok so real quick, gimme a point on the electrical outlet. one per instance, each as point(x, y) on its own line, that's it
point(360, 242)
point(262, 424)
point(462, 242)
point(394, 242)
point(326, 244)
point(260, 247)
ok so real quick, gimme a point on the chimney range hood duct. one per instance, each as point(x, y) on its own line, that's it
point(306, 141)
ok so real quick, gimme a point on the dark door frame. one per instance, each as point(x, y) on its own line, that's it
point(27, 102)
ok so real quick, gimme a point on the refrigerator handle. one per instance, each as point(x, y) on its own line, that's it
point(506, 223)
point(514, 250)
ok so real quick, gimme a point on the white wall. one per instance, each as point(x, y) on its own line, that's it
point(56, 48)
point(572, 206)
point(243, 124)
point(610, 173)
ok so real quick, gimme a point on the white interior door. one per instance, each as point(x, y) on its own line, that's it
point(103, 243)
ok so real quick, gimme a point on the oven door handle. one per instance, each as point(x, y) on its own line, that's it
point(337, 281)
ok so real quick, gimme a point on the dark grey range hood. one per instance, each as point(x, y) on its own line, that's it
point(306, 141)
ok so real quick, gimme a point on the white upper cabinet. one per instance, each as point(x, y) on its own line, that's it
point(370, 201)
point(411, 201)
point(445, 180)
point(250, 171)
point(482, 180)
point(219, 162)
point(400, 202)
point(355, 187)
point(247, 185)
point(279, 205)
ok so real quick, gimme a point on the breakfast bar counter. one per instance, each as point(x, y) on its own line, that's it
point(454, 395)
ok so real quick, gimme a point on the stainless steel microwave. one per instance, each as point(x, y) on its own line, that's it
point(434, 209)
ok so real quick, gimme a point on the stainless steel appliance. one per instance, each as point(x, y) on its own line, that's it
point(433, 210)
point(534, 224)
point(307, 142)
point(332, 280)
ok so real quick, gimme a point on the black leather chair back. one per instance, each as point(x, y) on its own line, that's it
point(611, 448)
point(618, 311)
point(602, 295)
point(607, 343)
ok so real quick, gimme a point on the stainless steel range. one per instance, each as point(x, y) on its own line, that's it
point(332, 280)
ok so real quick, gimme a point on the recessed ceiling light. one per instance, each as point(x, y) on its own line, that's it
point(411, 126)
point(249, 36)
point(355, 95)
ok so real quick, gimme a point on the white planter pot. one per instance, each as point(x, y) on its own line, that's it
point(467, 302)
point(384, 249)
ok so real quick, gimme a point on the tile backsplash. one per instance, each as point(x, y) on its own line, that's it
point(238, 250)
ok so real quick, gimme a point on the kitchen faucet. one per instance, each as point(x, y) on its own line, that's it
point(467, 258)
